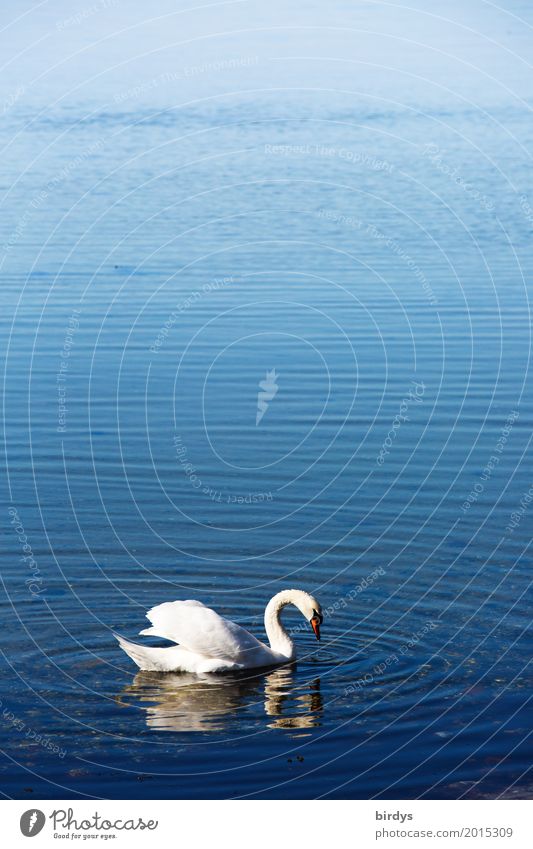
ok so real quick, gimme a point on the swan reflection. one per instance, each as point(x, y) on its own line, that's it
point(187, 702)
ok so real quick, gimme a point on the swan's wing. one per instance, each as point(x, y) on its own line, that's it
point(200, 629)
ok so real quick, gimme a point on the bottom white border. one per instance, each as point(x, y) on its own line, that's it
point(268, 824)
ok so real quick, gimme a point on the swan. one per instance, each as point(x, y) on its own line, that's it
point(207, 642)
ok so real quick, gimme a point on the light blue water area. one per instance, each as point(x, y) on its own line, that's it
point(333, 201)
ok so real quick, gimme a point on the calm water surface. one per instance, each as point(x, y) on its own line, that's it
point(335, 202)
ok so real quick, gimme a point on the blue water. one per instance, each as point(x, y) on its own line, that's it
point(332, 198)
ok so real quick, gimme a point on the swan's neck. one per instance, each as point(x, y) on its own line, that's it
point(279, 640)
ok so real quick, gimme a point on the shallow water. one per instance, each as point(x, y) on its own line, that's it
point(190, 204)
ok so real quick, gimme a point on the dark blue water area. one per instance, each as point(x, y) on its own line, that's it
point(265, 316)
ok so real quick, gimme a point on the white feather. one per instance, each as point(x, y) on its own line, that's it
point(201, 630)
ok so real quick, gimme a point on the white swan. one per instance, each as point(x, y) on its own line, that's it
point(209, 643)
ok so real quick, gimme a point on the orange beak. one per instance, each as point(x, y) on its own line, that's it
point(315, 625)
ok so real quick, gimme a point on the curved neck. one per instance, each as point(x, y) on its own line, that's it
point(279, 640)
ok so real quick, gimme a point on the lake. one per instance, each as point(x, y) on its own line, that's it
point(265, 311)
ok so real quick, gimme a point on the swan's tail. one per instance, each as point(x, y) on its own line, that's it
point(173, 659)
point(147, 658)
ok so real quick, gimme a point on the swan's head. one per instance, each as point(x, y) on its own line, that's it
point(306, 604)
point(310, 608)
